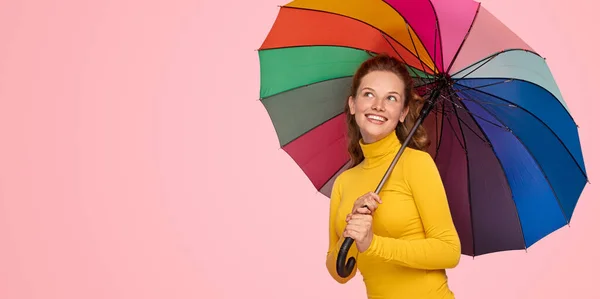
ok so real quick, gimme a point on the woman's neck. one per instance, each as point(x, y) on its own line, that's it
point(378, 151)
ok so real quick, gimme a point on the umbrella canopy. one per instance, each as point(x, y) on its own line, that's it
point(502, 136)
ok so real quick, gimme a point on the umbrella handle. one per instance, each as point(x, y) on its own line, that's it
point(345, 269)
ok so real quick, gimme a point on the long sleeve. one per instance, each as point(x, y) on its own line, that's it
point(440, 249)
point(335, 242)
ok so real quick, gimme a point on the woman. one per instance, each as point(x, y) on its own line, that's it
point(404, 238)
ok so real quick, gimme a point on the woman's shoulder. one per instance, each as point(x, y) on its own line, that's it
point(343, 175)
point(346, 175)
point(415, 158)
point(417, 155)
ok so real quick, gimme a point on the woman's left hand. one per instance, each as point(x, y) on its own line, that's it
point(359, 229)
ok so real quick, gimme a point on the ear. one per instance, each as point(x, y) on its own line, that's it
point(404, 113)
point(351, 104)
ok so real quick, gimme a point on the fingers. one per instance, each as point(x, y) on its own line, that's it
point(375, 197)
point(358, 226)
point(359, 221)
point(358, 218)
point(355, 231)
point(355, 235)
point(370, 205)
point(367, 203)
point(351, 234)
point(363, 210)
point(365, 206)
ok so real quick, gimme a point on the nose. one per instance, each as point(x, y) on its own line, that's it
point(378, 104)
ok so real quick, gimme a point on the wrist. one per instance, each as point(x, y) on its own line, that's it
point(371, 244)
point(366, 244)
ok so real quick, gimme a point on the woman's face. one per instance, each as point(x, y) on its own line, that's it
point(379, 105)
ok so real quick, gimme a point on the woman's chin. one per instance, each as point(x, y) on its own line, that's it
point(373, 134)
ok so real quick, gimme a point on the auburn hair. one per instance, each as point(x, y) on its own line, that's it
point(412, 99)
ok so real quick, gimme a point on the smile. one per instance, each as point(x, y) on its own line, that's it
point(376, 117)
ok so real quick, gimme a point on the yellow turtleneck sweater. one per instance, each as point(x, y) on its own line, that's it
point(414, 237)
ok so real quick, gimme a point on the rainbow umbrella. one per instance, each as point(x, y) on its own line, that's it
point(504, 141)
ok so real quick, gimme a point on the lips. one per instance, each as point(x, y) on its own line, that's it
point(375, 117)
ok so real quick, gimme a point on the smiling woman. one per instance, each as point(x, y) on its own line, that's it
point(404, 237)
point(378, 104)
point(398, 104)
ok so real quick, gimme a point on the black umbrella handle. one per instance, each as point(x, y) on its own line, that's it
point(345, 269)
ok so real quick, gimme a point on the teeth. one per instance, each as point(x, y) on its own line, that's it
point(375, 117)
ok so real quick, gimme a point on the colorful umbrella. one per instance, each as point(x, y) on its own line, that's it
point(504, 141)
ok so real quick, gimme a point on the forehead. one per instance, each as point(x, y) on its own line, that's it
point(383, 81)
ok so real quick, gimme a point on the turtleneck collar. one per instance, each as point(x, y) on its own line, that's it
point(378, 151)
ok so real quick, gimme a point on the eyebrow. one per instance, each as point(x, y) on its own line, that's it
point(369, 88)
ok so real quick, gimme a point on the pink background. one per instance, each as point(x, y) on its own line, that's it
point(136, 161)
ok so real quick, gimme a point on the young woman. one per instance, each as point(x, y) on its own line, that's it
point(405, 239)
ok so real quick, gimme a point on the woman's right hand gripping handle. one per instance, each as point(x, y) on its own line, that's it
point(366, 204)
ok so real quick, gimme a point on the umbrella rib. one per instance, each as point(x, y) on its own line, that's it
point(435, 38)
point(427, 89)
point(537, 118)
point(508, 80)
point(333, 175)
point(465, 37)
point(304, 86)
point(486, 85)
point(311, 129)
point(437, 129)
point(439, 144)
point(503, 172)
point(437, 111)
point(403, 60)
point(439, 117)
point(415, 47)
point(469, 127)
point(534, 159)
point(462, 144)
point(396, 51)
point(355, 19)
point(438, 33)
point(468, 183)
point(487, 59)
point(475, 114)
point(436, 25)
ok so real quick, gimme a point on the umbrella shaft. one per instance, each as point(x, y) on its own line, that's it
point(424, 112)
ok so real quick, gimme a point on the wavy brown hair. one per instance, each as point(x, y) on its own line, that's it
point(412, 99)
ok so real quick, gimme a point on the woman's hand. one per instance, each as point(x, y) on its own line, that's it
point(360, 220)
point(359, 229)
point(366, 204)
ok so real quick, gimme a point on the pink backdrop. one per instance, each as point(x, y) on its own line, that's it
point(136, 161)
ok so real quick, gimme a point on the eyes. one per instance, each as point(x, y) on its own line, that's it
point(370, 95)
